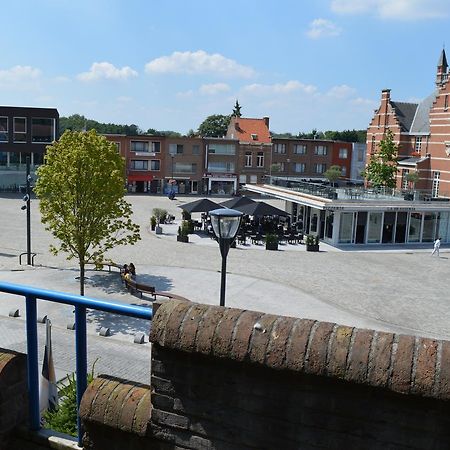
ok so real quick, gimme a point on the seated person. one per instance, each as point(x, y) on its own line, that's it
point(132, 270)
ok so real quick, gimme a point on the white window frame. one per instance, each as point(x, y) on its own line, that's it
point(133, 167)
point(321, 166)
point(54, 130)
point(279, 148)
point(19, 132)
point(260, 159)
point(343, 153)
point(321, 150)
point(248, 159)
point(300, 168)
point(140, 142)
point(155, 161)
point(299, 149)
point(418, 143)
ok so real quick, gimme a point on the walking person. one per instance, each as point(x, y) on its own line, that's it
point(437, 245)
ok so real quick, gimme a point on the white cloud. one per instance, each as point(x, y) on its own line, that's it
point(19, 74)
point(393, 9)
point(322, 28)
point(107, 71)
point(185, 94)
point(214, 88)
point(198, 62)
point(279, 88)
point(342, 91)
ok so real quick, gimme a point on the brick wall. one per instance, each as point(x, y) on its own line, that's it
point(13, 393)
point(221, 382)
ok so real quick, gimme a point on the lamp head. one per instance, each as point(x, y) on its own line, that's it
point(225, 222)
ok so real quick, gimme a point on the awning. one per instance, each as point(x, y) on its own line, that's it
point(144, 176)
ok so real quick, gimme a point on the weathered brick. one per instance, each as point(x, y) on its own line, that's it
point(173, 325)
point(143, 414)
point(297, 344)
point(260, 338)
point(443, 390)
point(115, 402)
point(359, 356)
point(162, 386)
point(164, 402)
point(129, 408)
point(100, 402)
point(159, 321)
point(170, 419)
point(222, 339)
point(190, 327)
point(242, 333)
point(207, 328)
point(337, 360)
point(403, 362)
point(276, 350)
point(89, 396)
point(425, 367)
point(318, 349)
point(381, 359)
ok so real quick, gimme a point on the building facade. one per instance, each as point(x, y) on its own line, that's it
point(422, 133)
point(24, 133)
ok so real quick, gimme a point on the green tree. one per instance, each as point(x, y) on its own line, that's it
point(333, 174)
point(236, 110)
point(382, 168)
point(214, 126)
point(413, 178)
point(81, 192)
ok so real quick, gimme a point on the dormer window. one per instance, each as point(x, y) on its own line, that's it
point(254, 136)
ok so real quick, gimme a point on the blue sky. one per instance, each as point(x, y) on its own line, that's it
point(169, 64)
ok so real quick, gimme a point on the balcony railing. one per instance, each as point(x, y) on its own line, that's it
point(31, 295)
point(324, 190)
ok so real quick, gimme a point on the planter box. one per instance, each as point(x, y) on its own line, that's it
point(271, 245)
point(158, 230)
point(312, 247)
point(182, 238)
point(153, 227)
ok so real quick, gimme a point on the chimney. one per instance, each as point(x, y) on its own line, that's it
point(386, 94)
point(266, 121)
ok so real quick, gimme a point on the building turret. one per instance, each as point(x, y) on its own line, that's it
point(442, 70)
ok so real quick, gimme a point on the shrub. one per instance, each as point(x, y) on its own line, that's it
point(312, 240)
point(153, 221)
point(271, 239)
point(160, 214)
point(185, 215)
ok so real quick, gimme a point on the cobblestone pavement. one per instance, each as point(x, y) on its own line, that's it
point(403, 290)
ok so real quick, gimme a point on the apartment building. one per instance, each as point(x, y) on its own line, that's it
point(24, 133)
point(422, 132)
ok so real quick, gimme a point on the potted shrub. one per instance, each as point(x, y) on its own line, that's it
point(183, 232)
point(312, 243)
point(153, 222)
point(160, 215)
point(271, 242)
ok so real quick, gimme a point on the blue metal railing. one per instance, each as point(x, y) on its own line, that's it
point(31, 295)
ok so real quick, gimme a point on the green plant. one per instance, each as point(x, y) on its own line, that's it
point(312, 240)
point(179, 231)
point(153, 221)
point(160, 214)
point(185, 215)
point(64, 418)
point(184, 230)
point(271, 239)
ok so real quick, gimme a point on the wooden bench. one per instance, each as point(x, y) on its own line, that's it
point(133, 286)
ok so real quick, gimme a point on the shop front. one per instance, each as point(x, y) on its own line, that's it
point(221, 184)
point(139, 181)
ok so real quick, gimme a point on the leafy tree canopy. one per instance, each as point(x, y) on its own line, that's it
point(382, 168)
point(346, 135)
point(214, 126)
point(333, 174)
point(81, 192)
point(237, 110)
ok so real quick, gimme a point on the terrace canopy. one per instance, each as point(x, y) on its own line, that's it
point(237, 201)
point(202, 205)
point(259, 209)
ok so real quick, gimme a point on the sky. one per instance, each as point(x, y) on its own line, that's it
point(169, 64)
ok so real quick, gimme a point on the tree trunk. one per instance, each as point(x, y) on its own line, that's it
point(82, 279)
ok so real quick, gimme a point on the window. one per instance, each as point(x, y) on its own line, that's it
point(42, 130)
point(20, 129)
point(320, 168)
point(242, 179)
point(435, 187)
point(156, 147)
point(254, 136)
point(117, 144)
point(220, 166)
point(139, 146)
point(222, 149)
point(343, 153)
point(185, 167)
point(320, 150)
point(137, 164)
point(260, 159)
point(418, 143)
point(3, 129)
point(343, 171)
point(281, 166)
point(253, 179)
point(155, 164)
point(299, 149)
point(360, 155)
point(248, 159)
point(196, 149)
point(279, 148)
point(405, 173)
point(176, 149)
point(299, 167)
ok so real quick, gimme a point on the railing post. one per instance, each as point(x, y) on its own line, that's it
point(81, 362)
point(32, 361)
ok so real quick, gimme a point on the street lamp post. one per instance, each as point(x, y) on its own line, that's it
point(27, 207)
point(225, 223)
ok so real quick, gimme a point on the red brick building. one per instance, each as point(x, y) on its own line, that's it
point(422, 132)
